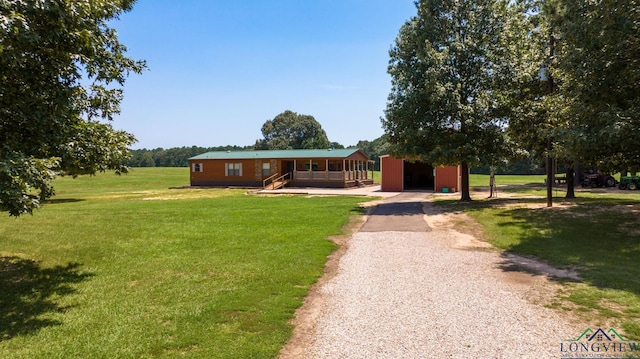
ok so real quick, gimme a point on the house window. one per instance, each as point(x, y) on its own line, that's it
point(314, 166)
point(266, 169)
point(335, 165)
point(196, 167)
point(233, 169)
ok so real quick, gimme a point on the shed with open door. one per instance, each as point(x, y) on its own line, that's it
point(399, 175)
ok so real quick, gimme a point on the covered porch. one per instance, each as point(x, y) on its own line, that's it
point(329, 172)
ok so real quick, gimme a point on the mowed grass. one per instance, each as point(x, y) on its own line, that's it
point(597, 235)
point(123, 267)
point(476, 180)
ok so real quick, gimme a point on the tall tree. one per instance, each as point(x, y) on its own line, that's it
point(61, 72)
point(290, 130)
point(600, 67)
point(589, 111)
point(448, 67)
point(535, 107)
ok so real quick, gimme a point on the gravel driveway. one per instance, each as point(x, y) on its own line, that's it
point(405, 289)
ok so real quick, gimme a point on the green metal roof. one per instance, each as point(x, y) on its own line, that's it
point(281, 154)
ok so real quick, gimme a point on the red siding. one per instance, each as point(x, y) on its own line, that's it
point(449, 177)
point(391, 174)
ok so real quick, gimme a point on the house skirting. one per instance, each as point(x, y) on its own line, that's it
point(294, 183)
point(212, 183)
point(330, 184)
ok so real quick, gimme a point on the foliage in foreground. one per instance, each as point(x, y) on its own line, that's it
point(119, 267)
point(61, 68)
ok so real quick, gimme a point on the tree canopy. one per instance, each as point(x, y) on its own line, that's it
point(61, 69)
point(586, 111)
point(290, 130)
point(466, 87)
point(448, 66)
point(599, 65)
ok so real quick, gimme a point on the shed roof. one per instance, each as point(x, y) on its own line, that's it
point(280, 154)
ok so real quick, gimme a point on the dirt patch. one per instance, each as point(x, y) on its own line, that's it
point(468, 233)
point(629, 208)
point(176, 195)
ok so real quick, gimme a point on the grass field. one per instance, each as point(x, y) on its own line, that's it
point(483, 180)
point(123, 267)
point(598, 235)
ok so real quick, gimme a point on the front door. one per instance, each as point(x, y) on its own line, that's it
point(287, 167)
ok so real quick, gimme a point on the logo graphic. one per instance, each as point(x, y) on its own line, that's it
point(599, 344)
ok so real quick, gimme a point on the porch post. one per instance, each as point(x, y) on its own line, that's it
point(343, 170)
point(326, 169)
point(355, 169)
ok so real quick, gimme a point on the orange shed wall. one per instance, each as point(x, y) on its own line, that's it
point(449, 177)
point(392, 170)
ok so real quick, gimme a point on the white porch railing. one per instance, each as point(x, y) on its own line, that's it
point(330, 175)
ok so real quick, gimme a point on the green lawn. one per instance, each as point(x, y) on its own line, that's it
point(377, 177)
point(483, 180)
point(597, 234)
point(123, 267)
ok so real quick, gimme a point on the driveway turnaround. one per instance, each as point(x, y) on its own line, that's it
point(407, 289)
point(402, 213)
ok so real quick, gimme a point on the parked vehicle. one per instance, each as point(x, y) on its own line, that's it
point(629, 182)
point(594, 180)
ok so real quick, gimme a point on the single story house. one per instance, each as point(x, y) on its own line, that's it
point(274, 169)
point(398, 175)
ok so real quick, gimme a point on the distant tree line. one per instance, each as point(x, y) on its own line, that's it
point(290, 130)
point(179, 157)
point(174, 157)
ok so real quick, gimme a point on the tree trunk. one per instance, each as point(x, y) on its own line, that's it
point(570, 184)
point(466, 196)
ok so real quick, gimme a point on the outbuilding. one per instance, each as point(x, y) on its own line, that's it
point(277, 168)
point(399, 175)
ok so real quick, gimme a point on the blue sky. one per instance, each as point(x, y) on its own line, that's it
point(218, 69)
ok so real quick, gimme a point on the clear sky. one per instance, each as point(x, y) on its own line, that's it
point(218, 69)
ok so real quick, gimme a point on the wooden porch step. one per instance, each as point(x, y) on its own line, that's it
point(277, 184)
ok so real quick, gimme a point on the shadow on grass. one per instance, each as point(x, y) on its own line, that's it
point(598, 238)
point(63, 200)
point(29, 292)
point(398, 209)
